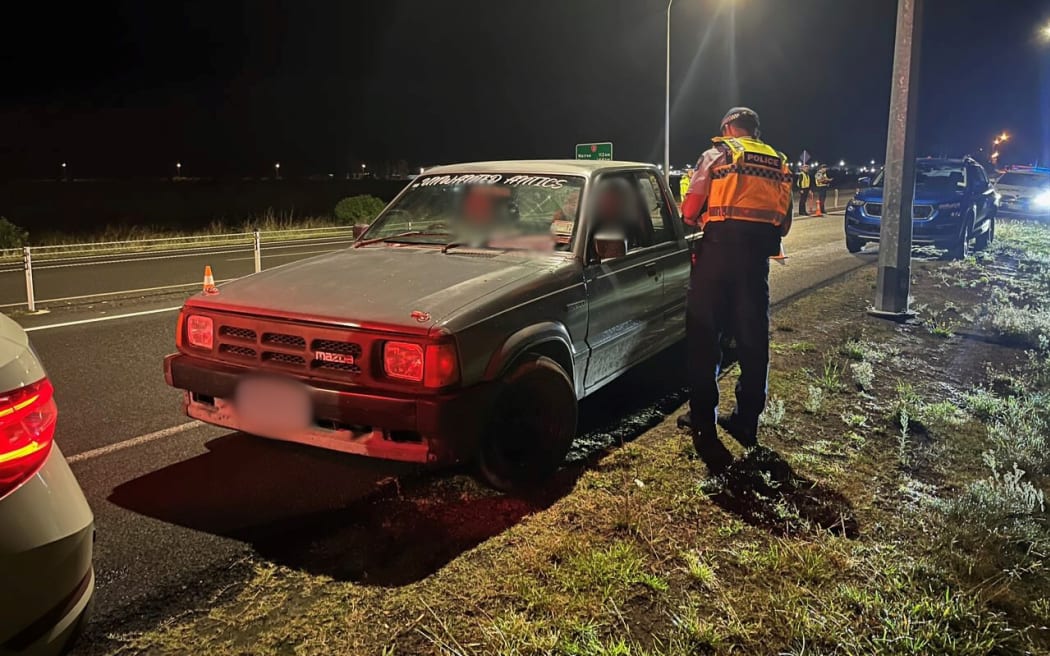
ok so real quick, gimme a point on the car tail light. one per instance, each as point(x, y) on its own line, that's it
point(403, 360)
point(27, 430)
point(200, 331)
point(442, 366)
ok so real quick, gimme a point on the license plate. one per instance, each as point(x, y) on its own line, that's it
point(272, 406)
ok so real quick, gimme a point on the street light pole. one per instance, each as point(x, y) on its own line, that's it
point(667, 101)
point(894, 277)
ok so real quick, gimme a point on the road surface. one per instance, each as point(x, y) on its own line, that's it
point(178, 505)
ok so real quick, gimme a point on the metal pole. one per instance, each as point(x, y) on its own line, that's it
point(894, 277)
point(836, 197)
point(258, 252)
point(667, 101)
point(27, 263)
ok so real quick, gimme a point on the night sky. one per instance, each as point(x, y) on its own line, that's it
point(228, 88)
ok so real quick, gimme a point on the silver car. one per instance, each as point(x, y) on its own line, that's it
point(46, 527)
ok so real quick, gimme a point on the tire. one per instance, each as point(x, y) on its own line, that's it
point(961, 248)
point(987, 237)
point(854, 245)
point(532, 426)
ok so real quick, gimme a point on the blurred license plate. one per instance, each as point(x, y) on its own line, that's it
point(272, 406)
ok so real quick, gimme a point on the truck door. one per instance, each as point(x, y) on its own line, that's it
point(672, 256)
point(625, 294)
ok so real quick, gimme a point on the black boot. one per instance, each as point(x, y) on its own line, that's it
point(684, 421)
point(746, 433)
point(711, 450)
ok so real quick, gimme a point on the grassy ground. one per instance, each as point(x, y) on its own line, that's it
point(896, 508)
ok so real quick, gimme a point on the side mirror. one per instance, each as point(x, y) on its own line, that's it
point(359, 229)
point(610, 245)
point(864, 182)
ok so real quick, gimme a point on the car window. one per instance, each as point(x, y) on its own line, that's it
point(980, 179)
point(658, 214)
point(617, 205)
point(1024, 180)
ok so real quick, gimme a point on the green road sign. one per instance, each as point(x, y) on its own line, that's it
point(594, 150)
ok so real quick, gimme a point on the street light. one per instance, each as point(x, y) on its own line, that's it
point(178, 169)
point(1044, 33)
point(667, 101)
point(842, 162)
point(277, 170)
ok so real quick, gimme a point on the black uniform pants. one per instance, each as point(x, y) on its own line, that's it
point(803, 198)
point(822, 197)
point(728, 295)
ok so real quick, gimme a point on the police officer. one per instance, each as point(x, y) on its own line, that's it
point(683, 184)
point(822, 180)
point(746, 188)
point(805, 183)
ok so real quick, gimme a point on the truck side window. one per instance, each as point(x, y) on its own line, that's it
point(618, 205)
point(655, 207)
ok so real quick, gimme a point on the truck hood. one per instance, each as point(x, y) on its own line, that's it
point(404, 289)
point(924, 195)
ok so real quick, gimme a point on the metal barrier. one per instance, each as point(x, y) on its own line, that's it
point(68, 256)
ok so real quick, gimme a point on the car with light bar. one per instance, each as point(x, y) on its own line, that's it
point(46, 527)
point(955, 204)
point(464, 325)
point(1024, 192)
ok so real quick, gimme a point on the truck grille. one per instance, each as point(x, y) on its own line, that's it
point(917, 211)
point(274, 344)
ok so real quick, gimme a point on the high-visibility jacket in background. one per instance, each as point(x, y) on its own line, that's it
point(803, 180)
point(683, 184)
point(754, 186)
point(822, 178)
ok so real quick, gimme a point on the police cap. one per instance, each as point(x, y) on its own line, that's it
point(739, 112)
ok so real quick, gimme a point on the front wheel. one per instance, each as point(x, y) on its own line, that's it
point(854, 245)
point(986, 237)
point(532, 426)
point(961, 248)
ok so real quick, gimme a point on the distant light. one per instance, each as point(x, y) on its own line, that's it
point(421, 170)
point(63, 165)
point(1044, 32)
point(362, 167)
point(842, 162)
point(277, 165)
point(873, 162)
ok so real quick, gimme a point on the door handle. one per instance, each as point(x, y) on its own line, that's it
point(650, 269)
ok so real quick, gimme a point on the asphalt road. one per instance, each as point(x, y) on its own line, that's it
point(59, 280)
point(178, 504)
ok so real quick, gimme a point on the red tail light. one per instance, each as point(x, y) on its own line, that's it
point(442, 366)
point(27, 430)
point(403, 360)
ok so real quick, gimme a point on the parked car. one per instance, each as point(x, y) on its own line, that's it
point(1024, 192)
point(46, 528)
point(954, 204)
point(464, 324)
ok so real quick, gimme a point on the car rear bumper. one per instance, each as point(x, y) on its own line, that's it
point(46, 542)
point(431, 428)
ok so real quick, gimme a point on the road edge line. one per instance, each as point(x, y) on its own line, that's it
point(135, 441)
point(97, 319)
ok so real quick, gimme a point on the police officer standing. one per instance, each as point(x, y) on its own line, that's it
point(805, 183)
point(746, 187)
point(683, 184)
point(822, 181)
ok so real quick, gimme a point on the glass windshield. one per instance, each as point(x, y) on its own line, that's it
point(495, 210)
point(1024, 180)
point(937, 175)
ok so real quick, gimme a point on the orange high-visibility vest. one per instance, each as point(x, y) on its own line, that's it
point(755, 186)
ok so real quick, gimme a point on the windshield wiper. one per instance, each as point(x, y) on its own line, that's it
point(400, 235)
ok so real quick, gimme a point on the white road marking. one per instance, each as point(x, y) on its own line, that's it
point(135, 441)
point(97, 319)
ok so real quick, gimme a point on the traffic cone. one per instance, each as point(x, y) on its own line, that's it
point(209, 281)
point(782, 258)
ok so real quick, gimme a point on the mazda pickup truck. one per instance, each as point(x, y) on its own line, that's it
point(464, 324)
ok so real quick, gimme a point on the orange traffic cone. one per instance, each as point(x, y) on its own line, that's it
point(782, 258)
point(209, 281)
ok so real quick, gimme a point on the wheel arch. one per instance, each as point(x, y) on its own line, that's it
point(550, 339)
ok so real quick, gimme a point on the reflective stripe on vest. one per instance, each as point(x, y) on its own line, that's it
point(803, 181)
point(754, 186)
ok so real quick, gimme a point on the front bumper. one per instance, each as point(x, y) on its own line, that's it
point(425, 428)
point(941, 232)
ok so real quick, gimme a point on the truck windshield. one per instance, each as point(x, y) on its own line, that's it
point(497, 210)
point(938, 175)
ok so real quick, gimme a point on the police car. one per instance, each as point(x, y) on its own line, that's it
point(1025, 192)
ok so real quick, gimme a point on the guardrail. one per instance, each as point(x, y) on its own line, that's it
point(69, 256)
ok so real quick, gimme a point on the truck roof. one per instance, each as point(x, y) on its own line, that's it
point(584, 167)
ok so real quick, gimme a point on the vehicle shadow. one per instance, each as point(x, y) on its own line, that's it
point(764, 491)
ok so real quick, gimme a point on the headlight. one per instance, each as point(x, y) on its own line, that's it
point(200, 331)
point(1043, 199)
point(856, 203)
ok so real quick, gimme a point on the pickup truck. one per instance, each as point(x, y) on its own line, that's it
point(464, 324)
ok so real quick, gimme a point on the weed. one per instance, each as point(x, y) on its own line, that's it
point(863, 374)
point(941, 416)
point(902, 436)
point(853, 349)
point(699, 570)
point(983, 404)
point(831, 376)
point(803, 347)
point(773, 415)
point(1003, 503)
point(1026, 326)
point(854, 420)
point(814, 400)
